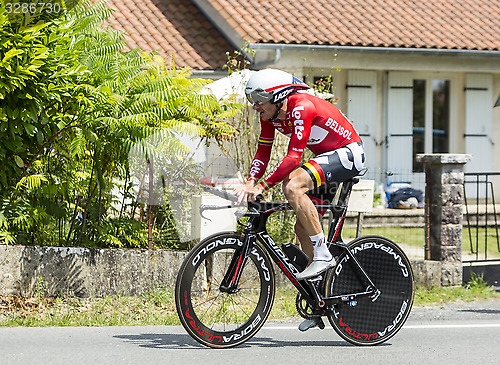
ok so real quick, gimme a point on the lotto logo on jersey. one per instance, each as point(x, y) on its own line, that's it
point(337, 128)
point(256, 165)
point(298, 122)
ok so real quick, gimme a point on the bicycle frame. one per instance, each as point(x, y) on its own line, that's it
point(255, 231)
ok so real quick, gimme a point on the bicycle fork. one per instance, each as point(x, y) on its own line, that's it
point(230, 282)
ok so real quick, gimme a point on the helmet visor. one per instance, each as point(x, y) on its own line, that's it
point(259, 96)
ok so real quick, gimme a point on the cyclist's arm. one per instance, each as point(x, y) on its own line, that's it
point(301, 118)
point(263, 154)
point(250, 191)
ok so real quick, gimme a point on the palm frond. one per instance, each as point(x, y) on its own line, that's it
point(181, 127)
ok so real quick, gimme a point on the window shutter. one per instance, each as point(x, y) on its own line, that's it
point(400, 124)
point(362, 110)
point(478, 121)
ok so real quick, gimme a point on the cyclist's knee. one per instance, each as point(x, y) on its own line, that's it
point(298, 229)
point(293, 187)
point(287, 187)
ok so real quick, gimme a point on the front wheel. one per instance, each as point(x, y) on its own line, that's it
point(218, 318)
point(371, 320)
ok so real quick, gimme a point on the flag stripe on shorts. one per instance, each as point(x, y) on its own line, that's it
point(315, 171)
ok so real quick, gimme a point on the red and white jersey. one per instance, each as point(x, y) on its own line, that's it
point(310, 122)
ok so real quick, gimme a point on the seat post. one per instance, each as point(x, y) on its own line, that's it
point(340, 210)
point(345, 193)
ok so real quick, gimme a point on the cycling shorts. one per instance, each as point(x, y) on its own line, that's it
point(329, 169)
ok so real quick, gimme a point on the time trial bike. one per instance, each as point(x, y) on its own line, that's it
point(225, 287)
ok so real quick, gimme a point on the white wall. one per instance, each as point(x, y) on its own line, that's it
point(310, 62)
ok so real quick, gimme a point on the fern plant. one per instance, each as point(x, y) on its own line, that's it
point(97, 103)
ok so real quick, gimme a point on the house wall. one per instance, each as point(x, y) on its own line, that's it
point(307, 62)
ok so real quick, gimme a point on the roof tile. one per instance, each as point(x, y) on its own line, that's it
point(460, 24)
point(173, 27)
point(179, 28)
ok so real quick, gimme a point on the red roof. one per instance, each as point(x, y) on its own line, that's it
point(174, 28)
point(178, 27)
point(447, 24)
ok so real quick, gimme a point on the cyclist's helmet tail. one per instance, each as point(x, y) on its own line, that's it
point(272, 85)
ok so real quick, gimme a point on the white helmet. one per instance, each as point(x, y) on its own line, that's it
point(272, 85)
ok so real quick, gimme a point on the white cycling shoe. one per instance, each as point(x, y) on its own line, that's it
point(316, 268)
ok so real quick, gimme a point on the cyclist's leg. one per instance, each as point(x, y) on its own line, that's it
point(323, 195)
point(307, 229)
point(303, 238)
point(295, 188)
point(323, 173)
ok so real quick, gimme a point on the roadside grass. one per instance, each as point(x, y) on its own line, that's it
point(475, 290)
point(412, 236)
point(472, 242)
point(158, 307)
point(155, 308)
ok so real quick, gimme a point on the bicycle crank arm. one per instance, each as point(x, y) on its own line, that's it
point(350, 298)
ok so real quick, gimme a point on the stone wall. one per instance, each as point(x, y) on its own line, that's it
point(84, 272)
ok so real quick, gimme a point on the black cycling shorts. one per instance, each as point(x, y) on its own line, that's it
point(329, 169)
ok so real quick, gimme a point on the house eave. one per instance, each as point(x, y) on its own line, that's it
point(377, 50)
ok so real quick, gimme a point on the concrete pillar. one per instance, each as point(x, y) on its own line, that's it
point(444, 200)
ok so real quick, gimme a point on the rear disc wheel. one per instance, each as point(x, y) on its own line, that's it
point(371, 320)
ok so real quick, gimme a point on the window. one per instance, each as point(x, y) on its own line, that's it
point(440, 116)
point(431, 118)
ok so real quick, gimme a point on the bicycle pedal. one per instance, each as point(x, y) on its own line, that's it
point(315, 279)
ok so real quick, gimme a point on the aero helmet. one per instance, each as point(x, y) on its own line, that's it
point(272, 85)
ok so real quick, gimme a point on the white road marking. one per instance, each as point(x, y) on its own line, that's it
point(423, 326)
point(473, 325)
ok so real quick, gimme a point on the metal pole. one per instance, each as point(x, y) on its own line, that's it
point(477, 217)
point(150, 202)
point(486, 218)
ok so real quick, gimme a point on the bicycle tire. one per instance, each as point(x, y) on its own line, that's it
point(364, 321)
point(218, 319)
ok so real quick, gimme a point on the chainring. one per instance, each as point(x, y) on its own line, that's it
point(303, 307)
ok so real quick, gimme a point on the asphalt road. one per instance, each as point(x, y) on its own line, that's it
point(452, 334)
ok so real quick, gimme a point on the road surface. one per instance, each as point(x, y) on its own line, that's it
point(452, 334)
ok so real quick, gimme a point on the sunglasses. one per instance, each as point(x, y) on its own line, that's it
point(259, 97)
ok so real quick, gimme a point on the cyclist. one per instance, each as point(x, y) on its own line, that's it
point(310, 122)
